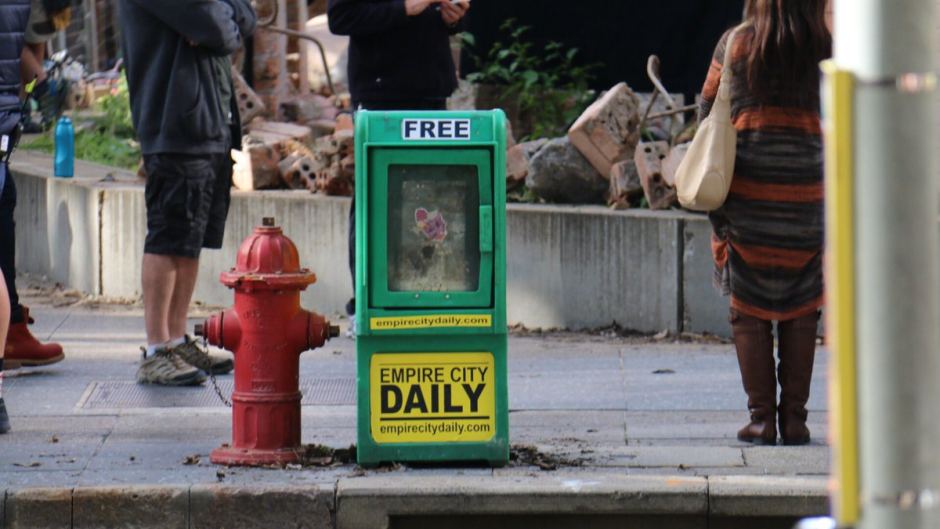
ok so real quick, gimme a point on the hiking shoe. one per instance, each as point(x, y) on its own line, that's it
point(4, 418)
point(167, 369)
point(193, 355)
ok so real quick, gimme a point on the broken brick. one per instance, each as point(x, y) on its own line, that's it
point(608, 131)
point(624, 184)
point(256, 166)
point(250, 105)
point(649, 164)
point(517, 161)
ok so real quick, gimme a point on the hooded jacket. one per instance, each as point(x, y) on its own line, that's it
point(13, 17)
point(172, 51)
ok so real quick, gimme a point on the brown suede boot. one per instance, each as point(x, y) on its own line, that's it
point(23, 349)
point(797, 351)
point(753, 339)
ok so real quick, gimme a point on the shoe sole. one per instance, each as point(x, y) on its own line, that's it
point(10, 363)
point(223, 369)
point(196, 380)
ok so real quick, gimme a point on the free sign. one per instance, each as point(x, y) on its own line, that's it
point(435, 129)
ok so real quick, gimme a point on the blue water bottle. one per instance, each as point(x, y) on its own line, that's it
point(64, 148)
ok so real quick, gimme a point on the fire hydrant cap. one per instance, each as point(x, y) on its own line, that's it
point(268, 257)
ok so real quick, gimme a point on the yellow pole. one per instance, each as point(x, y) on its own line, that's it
point(840, 291)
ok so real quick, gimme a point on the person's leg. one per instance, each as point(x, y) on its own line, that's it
point(22, 348)
point(754, 342)
point(797, 352)
point(169, 197)
point(210, 223)
point(187, 271)
point(8, 246)
point(158, 279)
point(4, 326)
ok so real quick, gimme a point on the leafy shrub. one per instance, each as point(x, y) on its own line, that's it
point(546, 88)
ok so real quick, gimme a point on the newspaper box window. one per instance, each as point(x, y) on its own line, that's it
point(431, 343)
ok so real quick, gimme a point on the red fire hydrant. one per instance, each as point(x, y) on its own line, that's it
point(267, 330)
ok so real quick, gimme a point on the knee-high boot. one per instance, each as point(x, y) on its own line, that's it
point(797, 346)
point(753, 340)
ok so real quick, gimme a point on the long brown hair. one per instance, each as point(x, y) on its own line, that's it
point(790, 38)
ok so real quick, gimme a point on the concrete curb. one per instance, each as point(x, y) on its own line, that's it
point(371, 502)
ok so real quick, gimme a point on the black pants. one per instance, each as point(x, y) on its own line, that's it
point(8, 245)
point(418, 104)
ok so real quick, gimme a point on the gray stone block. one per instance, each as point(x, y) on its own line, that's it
point(586, 267)
point(704, 309)
point(767, 496)
point(131, 507)
point(368, 502)
point(39, 508)
point(262, 507)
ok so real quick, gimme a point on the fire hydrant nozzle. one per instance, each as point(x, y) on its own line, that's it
point(267, 330)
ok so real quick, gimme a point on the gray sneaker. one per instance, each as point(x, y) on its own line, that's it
point(193, 355)
point(167, 369)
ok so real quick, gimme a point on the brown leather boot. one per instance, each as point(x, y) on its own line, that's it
point(753, 340)
point(23, 349)
point(797, 351)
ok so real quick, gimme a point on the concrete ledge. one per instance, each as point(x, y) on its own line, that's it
point(39, 508)
point(375, 501)
point(732, 496)
point(137, 507)
point(368, 503)
point(262, 507)
point(572, 267)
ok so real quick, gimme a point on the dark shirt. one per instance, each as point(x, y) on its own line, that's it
point(172, 50)
point(13, 17)
point(393, 56)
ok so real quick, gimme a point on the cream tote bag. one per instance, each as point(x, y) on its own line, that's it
point(704, 175)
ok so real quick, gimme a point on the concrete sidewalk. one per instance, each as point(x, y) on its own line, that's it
point(641, 430)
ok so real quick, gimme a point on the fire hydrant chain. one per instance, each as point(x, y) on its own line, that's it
point(215, 383)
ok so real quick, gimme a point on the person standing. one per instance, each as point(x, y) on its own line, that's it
point(21, 347)
point(768, 236)
point(179, 78)
point(399, 59)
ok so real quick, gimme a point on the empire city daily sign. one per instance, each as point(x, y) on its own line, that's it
point(431, 287)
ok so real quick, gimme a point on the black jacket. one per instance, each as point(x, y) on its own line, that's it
point(172, 50)
point(393, 56)
point(13, 17)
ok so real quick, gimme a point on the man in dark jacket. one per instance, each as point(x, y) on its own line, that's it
point(399, 59)
point(179, 77)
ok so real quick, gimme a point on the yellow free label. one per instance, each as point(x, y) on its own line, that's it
point(432, 397)
point(430, 322)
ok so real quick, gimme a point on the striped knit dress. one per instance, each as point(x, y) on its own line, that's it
point(767, 239)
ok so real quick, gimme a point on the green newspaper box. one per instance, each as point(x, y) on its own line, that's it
point(431, 287)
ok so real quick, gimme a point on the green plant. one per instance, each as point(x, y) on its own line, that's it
point(106, 138)
point(117, 111)
point(546, 87)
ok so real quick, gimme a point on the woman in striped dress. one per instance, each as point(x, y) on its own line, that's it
point(768, 237)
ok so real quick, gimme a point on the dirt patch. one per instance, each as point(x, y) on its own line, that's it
point(614, 333)
point(528, 456)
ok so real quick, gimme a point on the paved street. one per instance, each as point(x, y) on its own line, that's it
point(592, 402)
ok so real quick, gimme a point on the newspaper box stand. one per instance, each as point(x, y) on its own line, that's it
point(431, 287)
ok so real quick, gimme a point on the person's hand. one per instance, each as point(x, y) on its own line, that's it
point(452, 13)
point(416, 7)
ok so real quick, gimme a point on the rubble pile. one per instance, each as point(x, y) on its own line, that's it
point(603, 157)
point(313, 151)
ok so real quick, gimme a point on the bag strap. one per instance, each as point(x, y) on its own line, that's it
point(724, 88)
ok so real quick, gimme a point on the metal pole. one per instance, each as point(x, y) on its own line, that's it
point(888, 45)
